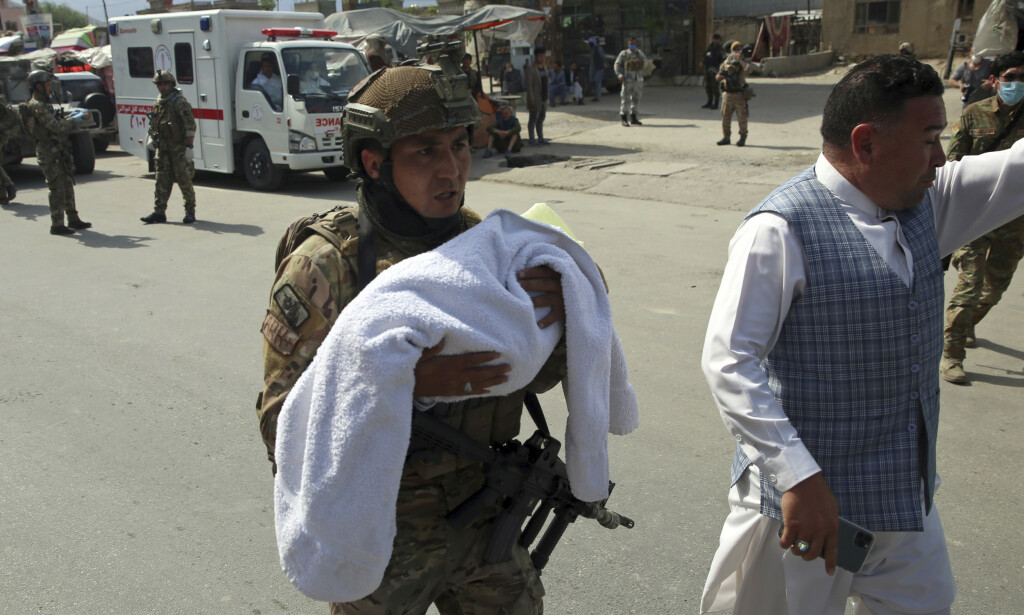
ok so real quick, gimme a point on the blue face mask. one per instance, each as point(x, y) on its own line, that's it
point(1011, 93)
point(632, 47)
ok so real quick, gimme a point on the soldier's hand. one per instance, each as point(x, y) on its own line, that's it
point(150, 144)
point(189, 153)
point(548, 283)
point(458, 374)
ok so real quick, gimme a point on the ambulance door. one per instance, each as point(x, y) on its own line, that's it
point(260, 96)
point(200, 90)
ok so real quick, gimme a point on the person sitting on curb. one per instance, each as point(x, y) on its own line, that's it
point(503, 136)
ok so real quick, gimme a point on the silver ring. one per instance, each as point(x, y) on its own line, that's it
point(468, 388)
point(802, 546)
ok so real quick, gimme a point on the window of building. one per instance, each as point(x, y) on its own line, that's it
point(140, 62)
point(877, 17)
point(183, 63)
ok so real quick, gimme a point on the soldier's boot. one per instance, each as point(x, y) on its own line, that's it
point(154, 218)
point(61, 230)
point(742, 141)
point(952, 370)
point(633, 120)
point(724, 141)
point(78, 224)
point(707, 105)
point(970, 341)
point(625, 122)
point(11, 192)
point(190, 217)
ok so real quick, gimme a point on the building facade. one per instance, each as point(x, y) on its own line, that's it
point(862, 28)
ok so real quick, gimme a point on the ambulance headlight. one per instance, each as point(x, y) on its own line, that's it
point(300, 142)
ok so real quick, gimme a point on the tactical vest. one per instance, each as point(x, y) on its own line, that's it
point(485, 419)
point(170, 132)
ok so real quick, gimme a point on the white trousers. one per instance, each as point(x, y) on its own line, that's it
point(905, 572)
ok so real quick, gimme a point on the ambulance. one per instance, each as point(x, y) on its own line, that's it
point(267, 88)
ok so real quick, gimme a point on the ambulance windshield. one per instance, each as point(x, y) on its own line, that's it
point(324, 72)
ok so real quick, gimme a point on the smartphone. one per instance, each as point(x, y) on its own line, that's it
point(854, 545)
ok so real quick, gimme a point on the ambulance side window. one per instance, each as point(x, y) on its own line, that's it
point(140, 62)
point(183, 63)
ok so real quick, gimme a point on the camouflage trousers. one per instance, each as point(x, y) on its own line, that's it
point(986, 269)
point(433, 563)
point(734, 103)
point(172, 168)
point(629, 97)
point(60, 183)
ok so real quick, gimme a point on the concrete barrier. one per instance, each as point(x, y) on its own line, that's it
point(794, 65)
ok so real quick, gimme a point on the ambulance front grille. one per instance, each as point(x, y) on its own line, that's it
point(330, 141)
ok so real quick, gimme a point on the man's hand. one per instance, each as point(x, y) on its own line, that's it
point(810, 514)
point(548, 282)
point(447, 376)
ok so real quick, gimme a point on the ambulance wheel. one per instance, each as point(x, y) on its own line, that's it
point(336, 174)
point(83, 153)
point(260, 171)
point(100, 144)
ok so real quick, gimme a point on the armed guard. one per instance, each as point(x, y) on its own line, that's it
point(9, 123)
point(732, 78)
point(172, 129)
point(406, 138)
point(53, 153)
point(629, 66)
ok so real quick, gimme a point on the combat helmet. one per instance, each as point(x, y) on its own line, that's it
point(38, 76)
point(402, 101)
point(164, 76)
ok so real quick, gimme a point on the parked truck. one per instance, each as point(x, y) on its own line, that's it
point(262, 127)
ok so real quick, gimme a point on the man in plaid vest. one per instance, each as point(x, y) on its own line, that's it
point(823, 351)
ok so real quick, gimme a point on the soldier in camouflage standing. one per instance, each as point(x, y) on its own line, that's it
point(172, 128)
point(629, 67)
point(731, 76)
point(53, 153)
point(986, 264)
point(410, 149)
point(8, 129)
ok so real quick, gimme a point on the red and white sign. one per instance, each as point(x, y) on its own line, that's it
point(326, 124)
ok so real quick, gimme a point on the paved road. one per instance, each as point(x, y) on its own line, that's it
point(133, 479)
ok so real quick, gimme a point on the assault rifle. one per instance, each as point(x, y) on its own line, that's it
point(524, 480)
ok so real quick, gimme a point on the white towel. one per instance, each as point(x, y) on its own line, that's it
point(344, 430)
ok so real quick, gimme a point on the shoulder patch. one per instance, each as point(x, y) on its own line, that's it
point(278, 335)
point(288, 300)
point(982, 132)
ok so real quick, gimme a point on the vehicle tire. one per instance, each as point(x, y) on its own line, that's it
point(260, 172)
point(336, 174)
point(100, 144)
point(100, 102)
point(83, 153)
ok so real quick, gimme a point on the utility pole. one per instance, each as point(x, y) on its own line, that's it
point(106, 18)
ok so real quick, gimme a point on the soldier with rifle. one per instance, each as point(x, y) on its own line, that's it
point(49, 128)
point(406, 134)
point(172, 128)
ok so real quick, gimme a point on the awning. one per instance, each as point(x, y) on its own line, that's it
point(403, 31)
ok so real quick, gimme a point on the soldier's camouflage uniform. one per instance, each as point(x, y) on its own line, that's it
point(734, 102)
point(171, 124)
point(53, 154)
point(986, 264)
point(9, 127)
point(431, 562)
point(629, 65)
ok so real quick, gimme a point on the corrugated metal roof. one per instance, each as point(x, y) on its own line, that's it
point(757, 8)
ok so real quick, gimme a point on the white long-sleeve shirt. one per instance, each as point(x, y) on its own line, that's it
point(765, 274)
